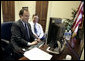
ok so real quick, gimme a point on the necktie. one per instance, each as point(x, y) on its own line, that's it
point(27, 30)
point(35, 30)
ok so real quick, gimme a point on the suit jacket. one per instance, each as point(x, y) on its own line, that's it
point(19, 37)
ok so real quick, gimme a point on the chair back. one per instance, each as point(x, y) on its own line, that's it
point(6, 30)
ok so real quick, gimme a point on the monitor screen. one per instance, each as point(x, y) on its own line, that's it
point(55, 31)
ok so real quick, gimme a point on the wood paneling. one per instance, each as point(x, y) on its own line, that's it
point(41, 10)
point(8, 11)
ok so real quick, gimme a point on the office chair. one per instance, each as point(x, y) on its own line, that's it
point(5, 40)
point(7, 48)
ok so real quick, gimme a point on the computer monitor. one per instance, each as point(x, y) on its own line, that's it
point(55, 31)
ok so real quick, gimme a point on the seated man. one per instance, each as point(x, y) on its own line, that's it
point(37, 28)
point(22, 35)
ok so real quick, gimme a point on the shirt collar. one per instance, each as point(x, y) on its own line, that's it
point(34, 23)
point(23, 22)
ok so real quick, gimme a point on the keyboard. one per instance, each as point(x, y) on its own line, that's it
point(38, 46)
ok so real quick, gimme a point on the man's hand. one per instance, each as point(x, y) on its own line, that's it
point(38, 40)
point(33, 43)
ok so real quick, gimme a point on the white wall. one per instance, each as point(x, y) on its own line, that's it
point(60, 9)
point(82, 56)
point(1, 14)
point(30, 4)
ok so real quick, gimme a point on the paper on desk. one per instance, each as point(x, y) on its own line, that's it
point(37, 54)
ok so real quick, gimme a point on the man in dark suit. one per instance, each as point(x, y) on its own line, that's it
point(22, 35)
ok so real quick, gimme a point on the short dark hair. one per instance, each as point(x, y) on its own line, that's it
point(22, 11)
point(34, 15)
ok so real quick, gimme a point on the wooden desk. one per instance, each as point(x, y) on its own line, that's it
point(61, 56)
point(42, 48)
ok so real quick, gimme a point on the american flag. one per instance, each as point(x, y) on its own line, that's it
point(78, 19)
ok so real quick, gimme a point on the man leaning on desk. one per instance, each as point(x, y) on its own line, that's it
point(22, 35)
point(37, 28)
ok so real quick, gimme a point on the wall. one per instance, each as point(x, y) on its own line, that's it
point(82, 44)
point(1, 14)
point(30, 4)
point(60, 9)
point(82, 56)
point(18, 5)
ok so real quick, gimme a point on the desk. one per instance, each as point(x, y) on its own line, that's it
point(58, 56)
point(42, 48)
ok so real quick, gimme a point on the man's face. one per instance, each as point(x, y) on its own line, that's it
point(35, 19)
point(25, 16)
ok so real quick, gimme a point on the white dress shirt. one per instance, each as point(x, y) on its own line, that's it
point(40, 32)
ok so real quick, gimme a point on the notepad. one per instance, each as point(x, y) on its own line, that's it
point(37, 54)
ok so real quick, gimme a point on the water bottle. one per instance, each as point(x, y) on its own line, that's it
point(65, 34)
point(68, 35)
